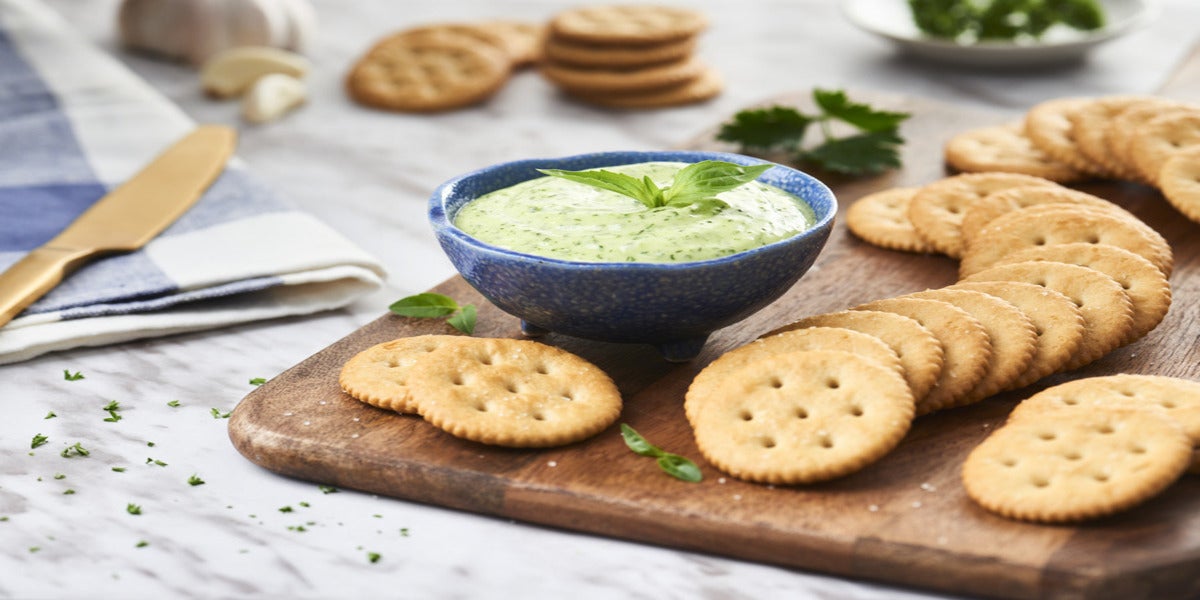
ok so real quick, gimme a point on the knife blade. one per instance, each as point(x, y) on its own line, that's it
point(123, 220)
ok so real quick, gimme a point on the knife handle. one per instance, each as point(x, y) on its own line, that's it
point(34, 275)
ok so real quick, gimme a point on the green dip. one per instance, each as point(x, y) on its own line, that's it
point(557, 218)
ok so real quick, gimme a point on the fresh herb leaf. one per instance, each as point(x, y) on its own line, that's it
point(69, 376)
point(258, 381)
point(431, 305)
point(141, 544)
point(969, 21)
point(118, 469)
point(285, 509)
point(155, 461)
point(873, 150)
point(216, 414)
point(112, 405)
point(76, 450)
point(672, 464)
point(59, 476)
point(643, 190)
point(133, 509)
point(373, 557)
point(304, 504)
point(38, 440)
point(173, 403)
point(150, 444)
point(327, 489)
point(68, 492)
point(693, 183)
point(49, 415)
point(195, 480)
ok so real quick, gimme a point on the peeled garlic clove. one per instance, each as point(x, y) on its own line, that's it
point(233, 71)
point(272, 96)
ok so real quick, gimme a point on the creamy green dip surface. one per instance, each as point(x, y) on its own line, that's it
point(557, 218)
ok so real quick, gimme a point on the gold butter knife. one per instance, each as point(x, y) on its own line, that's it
point(124, 219)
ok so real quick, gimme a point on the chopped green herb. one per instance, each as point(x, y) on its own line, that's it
point(403, 532)
point(327, 489)
point(38, 440)
point(155, 461)
point(195, 480)
point(286, 509)
point(969, 21)
point(377, 516)
point(4, 518)
point(780, 128)
point(258, 381)
point(216, 414)
point(112, 405)
point(672, 464)
point(33, 549)
point(76, 450)
point(133, 509)
point(119, 469)
point(430, 305)
point(173, 403)
point(49, 415)
point(150, 444)
point(373, 557)
point(59, 476)
point(141, 544)
point(76, 376)
point(299, 528)
point(68, 492)
point(304, 504)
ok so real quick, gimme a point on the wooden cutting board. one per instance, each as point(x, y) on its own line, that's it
point(904, 520)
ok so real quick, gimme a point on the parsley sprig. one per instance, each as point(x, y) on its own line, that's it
point(874, 149)
point(967, 21)
point(673, 464)
point(430, 305)
point(697, 183)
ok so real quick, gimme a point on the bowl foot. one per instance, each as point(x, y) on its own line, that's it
point(531, 330)
point(682, 350)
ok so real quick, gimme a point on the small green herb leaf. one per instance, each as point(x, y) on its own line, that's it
point(705, 179)
point(68, 492)
point(258, 381)
point(118, 469)
point(50, 415)
point(373, 557)
point(133, 509)
point(672, 464)
point(427, 305)
point(643, 190)
point(637, 443)
point(863, 154)
point(173, 403)
point(286, 509)
point(38, 440)
point(836, 105)
point(69, 376)
point(195, 480)
point(216, 414)
point(141, 544)
point(327, 489)
point(464, 321)
point(766, 128)
point(76, 450)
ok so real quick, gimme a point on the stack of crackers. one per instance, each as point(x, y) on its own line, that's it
point(1144, 139)
point(628, 56)
point(441, 67)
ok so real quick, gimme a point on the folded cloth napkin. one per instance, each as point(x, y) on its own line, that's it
point(75, 123)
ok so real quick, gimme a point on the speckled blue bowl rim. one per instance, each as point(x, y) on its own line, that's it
point(526, 169)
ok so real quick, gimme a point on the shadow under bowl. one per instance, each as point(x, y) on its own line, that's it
point(674, 306)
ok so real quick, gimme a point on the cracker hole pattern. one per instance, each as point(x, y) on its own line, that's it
point(832, 383)
point(775, 382)
point(746, 415)
point(1039, 481)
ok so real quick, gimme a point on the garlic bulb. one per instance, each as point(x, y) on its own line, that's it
point(194, 30)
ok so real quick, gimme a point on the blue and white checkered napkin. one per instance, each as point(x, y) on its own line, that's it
point(75, 123)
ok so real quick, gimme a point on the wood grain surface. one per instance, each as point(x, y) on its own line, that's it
point(904, 520)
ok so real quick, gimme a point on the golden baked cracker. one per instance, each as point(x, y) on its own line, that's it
point(471, 31)
point(516, 393)
point(1106, 308)
point(1053, 224)
point(1075, 465)
point(1160, 138)
point(919, 350)
point(566, 52)
point(1177, 398)
point(582, 81)
point(881, 218)
point(812, 338)
point(998, 203)
point(1012, 335)
point(627, 24)
point(1005, 149)
point(803, 417)
point(1048, 126)
point(965, 345)
point(427, 73)
point(1123, 128)
point(704, 87)
point(1180, 182)
point(1057, 322)
point(1147, 287)
point(1090, 124)
point(379, 375)
point(521, 40)
point(936, 211)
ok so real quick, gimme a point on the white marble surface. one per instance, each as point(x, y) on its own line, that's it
point(368, 175)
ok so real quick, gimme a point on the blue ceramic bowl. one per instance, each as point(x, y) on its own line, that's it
point(672, 305)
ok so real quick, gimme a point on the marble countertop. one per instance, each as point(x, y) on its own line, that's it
point(65, 527)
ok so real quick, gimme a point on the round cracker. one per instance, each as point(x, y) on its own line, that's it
point(606, 56)
point(1160, 138)
point(704, 87)
point(428, 73)
point(1048, 126)
point(936, 211)
point(515, 393)
point(1090, 124)
point(627, 24)
point(965, 345)
point(881, 219)
point(1004, 148)
point(993, 205)
point(1123, 129)
point(1012, 336)
point(522, 40)
point(379, 375)
point(803, 417)
point(1180, 182)
point(1106, 308)
point(1053, 224)
point(919, 350)
point(1147, 287)
point(1057, 322)
point(812, 338)
point(1177, 398)
point(616, 81)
